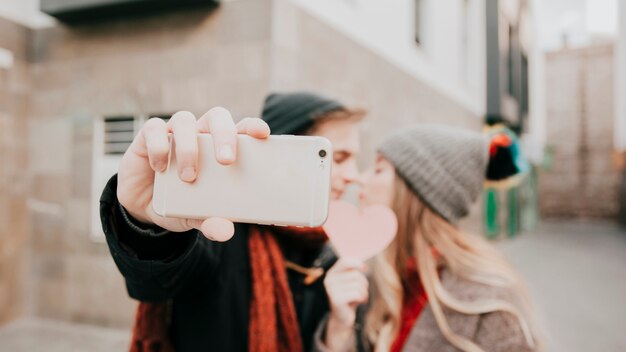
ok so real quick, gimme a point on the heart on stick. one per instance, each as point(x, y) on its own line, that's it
point(360, 233)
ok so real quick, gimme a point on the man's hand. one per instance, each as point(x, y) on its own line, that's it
point(148, 154)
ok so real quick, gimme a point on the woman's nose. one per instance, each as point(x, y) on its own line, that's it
point(360, 178)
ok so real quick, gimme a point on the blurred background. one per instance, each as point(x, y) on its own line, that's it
point(79, 77)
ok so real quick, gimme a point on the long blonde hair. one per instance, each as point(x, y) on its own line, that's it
point(420, 230)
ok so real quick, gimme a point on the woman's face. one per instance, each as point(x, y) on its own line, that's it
point(377, 183)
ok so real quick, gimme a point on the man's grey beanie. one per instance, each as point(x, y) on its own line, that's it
point(444, 165)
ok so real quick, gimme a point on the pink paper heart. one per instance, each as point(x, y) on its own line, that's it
point(360, 233)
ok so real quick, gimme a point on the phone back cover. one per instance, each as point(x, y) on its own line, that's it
point(281, 180)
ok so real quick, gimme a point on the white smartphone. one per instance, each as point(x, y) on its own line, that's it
point(281, 180)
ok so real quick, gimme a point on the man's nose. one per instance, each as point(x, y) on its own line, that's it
point(351, 173)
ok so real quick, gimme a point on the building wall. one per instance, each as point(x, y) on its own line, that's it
point(620, 106)
point(620, 79)
point(309, 54)
point(190, 60)
point(537, 84)
point(451, 53)
point(25, 12)
point(583, 180)
point(14, 88)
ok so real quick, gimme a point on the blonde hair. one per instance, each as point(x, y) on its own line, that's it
point(420, 231)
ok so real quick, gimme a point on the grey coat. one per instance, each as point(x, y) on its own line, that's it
point(493, 332)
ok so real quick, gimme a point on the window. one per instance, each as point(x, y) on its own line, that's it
point(112, 135)
point(419, 13)
point(510, 68)
point(118, 134)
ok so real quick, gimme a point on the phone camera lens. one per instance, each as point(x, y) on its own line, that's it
point(322, 153)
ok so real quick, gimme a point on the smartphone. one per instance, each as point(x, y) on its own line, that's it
point(282, 180)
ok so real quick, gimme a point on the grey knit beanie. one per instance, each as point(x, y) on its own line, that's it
point(294, 113)
point(444, 166)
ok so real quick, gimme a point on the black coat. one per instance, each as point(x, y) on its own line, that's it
point(209, 283)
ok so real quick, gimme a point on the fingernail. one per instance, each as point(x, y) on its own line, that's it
point(226, 152)
point(160, 166)
point(188, 174)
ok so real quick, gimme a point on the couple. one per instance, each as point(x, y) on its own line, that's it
point(217, 286)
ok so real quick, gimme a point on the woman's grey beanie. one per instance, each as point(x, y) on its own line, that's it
point(444, 165)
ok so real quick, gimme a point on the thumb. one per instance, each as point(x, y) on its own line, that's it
point(217, 229)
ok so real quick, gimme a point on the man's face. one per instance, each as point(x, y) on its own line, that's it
point(344, 135)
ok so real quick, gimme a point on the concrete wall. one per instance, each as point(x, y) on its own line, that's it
point(15, 84)
point(620, 80)
point(25, 12)
point(189, 60)
point(583, 180)
point(620, 106)
point(309, 54)
point(450, 56)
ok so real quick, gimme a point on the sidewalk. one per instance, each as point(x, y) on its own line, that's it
point(576, 272)
point(35, 335)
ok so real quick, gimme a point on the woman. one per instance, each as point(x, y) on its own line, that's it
point(434, 288)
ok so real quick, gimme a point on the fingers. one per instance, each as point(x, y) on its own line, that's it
point(219, 123)
point(345, 284)
point(183, 126)
point(217, 229)
point(346, 278)
point(346, 264)
point(342, 293)
point(356, 295)
point(154, 135)
point(254, 127)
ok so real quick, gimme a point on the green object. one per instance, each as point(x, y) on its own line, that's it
point(529, 201)
point(513, 211)
point(490, 213)
point(548, 158)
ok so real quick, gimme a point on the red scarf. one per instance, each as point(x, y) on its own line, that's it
point(413, 302)
point(273, 325)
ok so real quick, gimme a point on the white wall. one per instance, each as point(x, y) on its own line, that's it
point(620, 81)
point(537, 88)
point(25, 12)
point(387, 28)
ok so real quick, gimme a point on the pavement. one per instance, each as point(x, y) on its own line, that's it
point(576, 272)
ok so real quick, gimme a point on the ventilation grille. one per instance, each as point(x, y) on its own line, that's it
point(118, 134)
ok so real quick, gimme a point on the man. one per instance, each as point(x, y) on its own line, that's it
point(213, 285)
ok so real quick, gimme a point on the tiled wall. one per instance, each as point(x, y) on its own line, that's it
point(584, 178)
point(191, 60)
